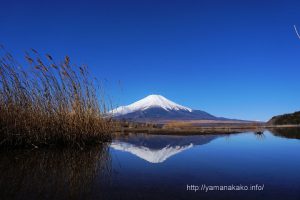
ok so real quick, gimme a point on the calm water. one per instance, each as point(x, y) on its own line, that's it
point(160, 167)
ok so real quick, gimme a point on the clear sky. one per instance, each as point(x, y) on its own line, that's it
point(238, 59)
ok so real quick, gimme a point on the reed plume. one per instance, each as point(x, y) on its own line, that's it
point(44, 102)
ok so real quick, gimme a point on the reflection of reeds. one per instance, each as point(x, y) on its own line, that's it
point(49, 103)
point(53, 174)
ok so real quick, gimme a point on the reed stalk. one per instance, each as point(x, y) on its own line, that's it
point(44, 102)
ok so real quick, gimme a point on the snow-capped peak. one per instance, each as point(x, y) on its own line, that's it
point(151, 101)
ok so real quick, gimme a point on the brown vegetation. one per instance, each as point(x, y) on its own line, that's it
point(186, 127)
point(207, 123)
point(49, 102)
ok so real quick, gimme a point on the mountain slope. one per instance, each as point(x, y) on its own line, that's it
point(151, 101)
point(292, 118)
point(157, 107)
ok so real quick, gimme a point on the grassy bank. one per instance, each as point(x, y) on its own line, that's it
point(44, 102)
point(203, 130)
point(190, 130)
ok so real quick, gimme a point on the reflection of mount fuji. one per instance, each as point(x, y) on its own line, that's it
point(158, 148)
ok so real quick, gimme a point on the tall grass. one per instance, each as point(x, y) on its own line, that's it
point(44, 102)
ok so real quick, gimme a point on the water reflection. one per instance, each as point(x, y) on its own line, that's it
point(260, 135)
point(247, 158)
point(51, 174)
point(158, 148)
point(104, 173)
point(292, 133)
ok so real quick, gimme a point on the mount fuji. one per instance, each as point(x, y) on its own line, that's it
point(157, 108)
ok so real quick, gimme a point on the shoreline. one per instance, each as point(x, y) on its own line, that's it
point(176, 131)
point(202, 130)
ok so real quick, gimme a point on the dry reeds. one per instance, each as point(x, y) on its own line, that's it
point(48, 103)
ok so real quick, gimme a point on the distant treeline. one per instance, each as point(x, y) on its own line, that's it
point(293, 118)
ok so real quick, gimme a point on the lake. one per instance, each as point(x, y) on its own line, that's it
point(237, 166)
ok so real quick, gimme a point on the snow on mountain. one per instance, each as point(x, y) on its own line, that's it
point(151, 101)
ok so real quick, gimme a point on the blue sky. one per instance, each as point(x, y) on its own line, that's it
point(238, 59)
